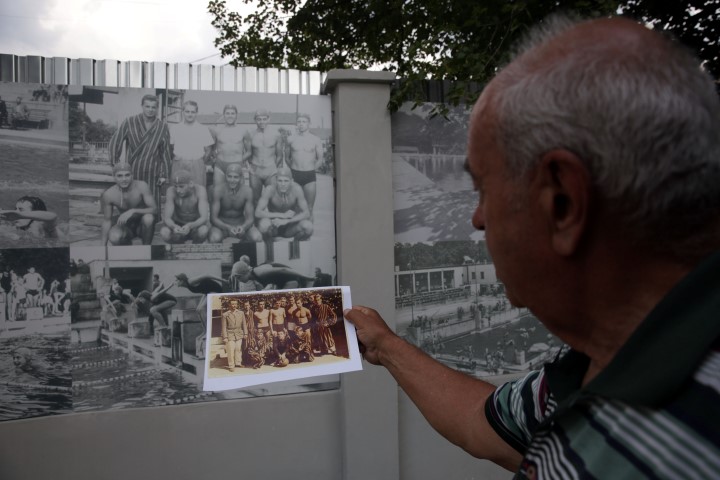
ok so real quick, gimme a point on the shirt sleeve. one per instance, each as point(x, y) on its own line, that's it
point(517, 407)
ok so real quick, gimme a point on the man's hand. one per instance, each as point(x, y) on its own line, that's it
point(9, 215)
point(124, 217)
point(372, 331)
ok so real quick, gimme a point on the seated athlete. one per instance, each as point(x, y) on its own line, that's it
point(282, 350)
point(232, 211)
point(282, 210)
point(128, 209)
point(186, 211)
point(257, 350)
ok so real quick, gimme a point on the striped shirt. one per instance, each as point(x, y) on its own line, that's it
point(653, 412)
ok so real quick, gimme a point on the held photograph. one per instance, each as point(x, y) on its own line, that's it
point(272, 336)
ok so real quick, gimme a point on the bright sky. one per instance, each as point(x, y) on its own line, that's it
point(146, 30)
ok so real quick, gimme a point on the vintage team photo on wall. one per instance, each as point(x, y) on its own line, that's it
point(153, 199)
point(257, 338)
point(155, 166)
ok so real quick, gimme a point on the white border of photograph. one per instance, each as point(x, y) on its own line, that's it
point(242, 381)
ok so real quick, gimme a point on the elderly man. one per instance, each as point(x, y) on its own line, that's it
point(596, 156)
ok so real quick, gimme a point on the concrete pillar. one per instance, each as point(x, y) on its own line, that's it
point(364, 223)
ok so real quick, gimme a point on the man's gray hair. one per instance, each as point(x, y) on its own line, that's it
point(646, 122)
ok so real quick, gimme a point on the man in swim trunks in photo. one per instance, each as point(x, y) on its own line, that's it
point(305, 154)
point(263, 152)
point(128, 209)
point(229, 144)
point(186, 211)
point(33, 283)
point(232, 210)
point(282, 210)
point(191, 144)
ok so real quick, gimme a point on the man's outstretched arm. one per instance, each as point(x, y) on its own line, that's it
point(453, 403)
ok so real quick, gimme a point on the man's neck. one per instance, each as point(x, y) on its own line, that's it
point(634, 293)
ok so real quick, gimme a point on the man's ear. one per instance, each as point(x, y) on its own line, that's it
point(565, 192)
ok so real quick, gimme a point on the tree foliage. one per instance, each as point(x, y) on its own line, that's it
point(462, 41)
point(696, 23)
point(83, 128)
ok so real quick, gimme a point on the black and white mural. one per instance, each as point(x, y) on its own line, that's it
point(448, 300)
point(122, 209)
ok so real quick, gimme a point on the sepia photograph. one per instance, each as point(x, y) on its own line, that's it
point(34, 161)
point(156, 166)
point(257, 338)
point(433, 194)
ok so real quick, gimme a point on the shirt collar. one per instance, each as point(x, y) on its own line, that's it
point(662, 353)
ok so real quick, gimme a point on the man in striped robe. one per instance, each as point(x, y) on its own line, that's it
point(325, 318)
point(147, 146)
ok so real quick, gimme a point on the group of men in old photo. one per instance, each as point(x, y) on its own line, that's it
point(278, 330)
point(20, 292)
point(208, 184)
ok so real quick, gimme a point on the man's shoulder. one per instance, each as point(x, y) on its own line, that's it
point(138, 117)
point(110, 193)
point(297, 189)
point(140, 185)
point(269, 191)
point(200, 191)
